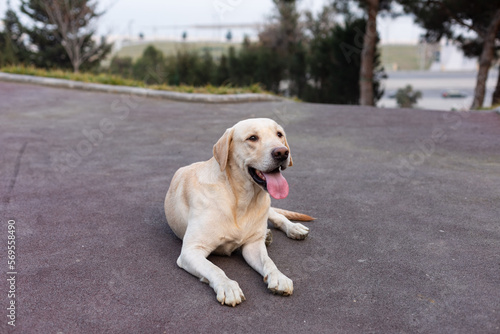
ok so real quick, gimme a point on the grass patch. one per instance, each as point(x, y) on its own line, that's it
point(490, 107)
point(404, 57)
point(115, 80)
point(170, 48)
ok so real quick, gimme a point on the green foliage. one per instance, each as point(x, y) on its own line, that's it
point(234, 67)
point(335, 62)
point(253, 64)
point(6, 52)
point(332, 71)
point(49, 53)
point(285, 61)
point(406, 97)
point(222, 72)
point(12, 47)
point(150, 68)
point(441, 17)
point(186, 65)
point(298, 70)
point(121, 66)
point(46, 37)
point(269, 69)
point(283, 37)
point(206, 68)
point(119, 80)
point(319, 71)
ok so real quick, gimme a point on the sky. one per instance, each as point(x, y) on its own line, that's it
point(168, 18)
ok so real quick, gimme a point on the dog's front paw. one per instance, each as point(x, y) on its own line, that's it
point(297, 231)
point(279, 283)
point(229, 293)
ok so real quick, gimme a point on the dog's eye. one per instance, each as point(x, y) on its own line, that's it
point(253, 138)
point(280, 134)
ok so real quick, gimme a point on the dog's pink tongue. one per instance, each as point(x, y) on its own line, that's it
point(276, 185)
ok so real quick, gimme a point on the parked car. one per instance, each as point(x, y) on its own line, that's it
point(453, 94)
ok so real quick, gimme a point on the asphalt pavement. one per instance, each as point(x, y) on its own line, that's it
point(407, 236)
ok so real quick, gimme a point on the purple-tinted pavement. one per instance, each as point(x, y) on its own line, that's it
point(407, 236)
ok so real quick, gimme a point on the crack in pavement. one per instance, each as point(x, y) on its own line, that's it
point(17, 166)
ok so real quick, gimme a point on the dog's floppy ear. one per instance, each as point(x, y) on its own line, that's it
point(221, 148)
point(290, 164)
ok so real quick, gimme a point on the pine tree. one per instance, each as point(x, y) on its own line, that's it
point(234, 66)
point(442, 17)
point(12, 48)
point(206, 69)
point(62, 33)
point(121, 66)
point(283, 36)
point(473, 48)
point(368, 70)
point(222, 72)
point(335, 71)
point(150, 68)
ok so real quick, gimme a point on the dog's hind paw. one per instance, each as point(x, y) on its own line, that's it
point(269, 237)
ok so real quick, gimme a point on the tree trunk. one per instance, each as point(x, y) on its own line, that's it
point(367, 55)
point(77, 59)
point(496, 94)
point(485, 61)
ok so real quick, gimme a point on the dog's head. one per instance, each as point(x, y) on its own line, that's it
point(258, 148)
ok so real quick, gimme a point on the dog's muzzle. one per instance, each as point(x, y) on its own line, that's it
point(272, 181)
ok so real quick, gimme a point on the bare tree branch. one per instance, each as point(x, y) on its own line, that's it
point(72, 20)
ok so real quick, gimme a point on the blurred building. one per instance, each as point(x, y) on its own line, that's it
point(451, 58)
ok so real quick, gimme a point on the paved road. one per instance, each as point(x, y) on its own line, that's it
point(407, 238)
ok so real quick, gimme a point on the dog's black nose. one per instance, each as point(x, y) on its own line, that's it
point(280, 153)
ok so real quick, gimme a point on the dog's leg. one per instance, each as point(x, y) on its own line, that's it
point(194, 261)
point(255, 254)
point(292, 230)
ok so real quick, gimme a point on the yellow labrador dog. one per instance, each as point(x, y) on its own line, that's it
point(222, 204)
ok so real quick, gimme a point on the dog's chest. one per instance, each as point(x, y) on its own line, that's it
point(240, 234)
point(227, 248)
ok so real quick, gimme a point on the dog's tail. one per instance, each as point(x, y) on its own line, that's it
point(294, 215)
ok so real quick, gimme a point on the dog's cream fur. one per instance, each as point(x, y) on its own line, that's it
point(215, 206)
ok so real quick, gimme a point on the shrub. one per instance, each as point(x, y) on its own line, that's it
point(205, 71)
point(335, 66)
point(151, 67)
point(406, 97)
point(122, 66)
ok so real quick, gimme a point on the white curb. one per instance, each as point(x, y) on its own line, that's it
point(177, 96)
